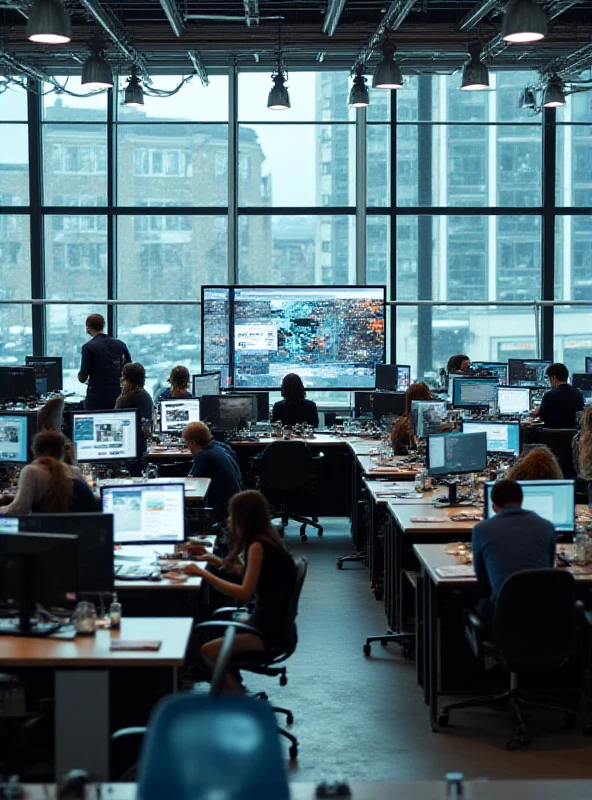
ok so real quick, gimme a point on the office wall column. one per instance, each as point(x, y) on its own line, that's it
point(392, 316)
point(112, 95)
point(361, 195)
point(424, 226)
point(548, 239)
point(232, 172)
point(36, 217)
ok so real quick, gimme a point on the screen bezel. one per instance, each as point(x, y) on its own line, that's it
point(474, 379)
point(284, 287)
point(487, 422)
point(229, 395)
point(31, 417)
point(393, 366)
point(140, 485)
point(139, 436)
point(479, 365)
point(50, 361)
point(564, 481)
point(205, 375)
point(178, 400)
point(530, 361)
point(519, 388)
point(462, 472)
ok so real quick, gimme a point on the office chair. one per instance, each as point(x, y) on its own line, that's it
point(51, 415)
point(558, 440)
point(534, 630)
point(288, 467)
point(265, 662)
point(177, 469)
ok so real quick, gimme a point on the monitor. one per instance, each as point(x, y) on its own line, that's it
point(48, 373)
point(393, 377)
point(17, 383)
point(513, 401)
point(106, 435)
point(502, 437)
point(552, 500)
point(177, 414)
point(582, 381)
point(363, 404)
point(227, 412)
point(536, 397)
point(261, 400)
point(497, 368)
point(457, 453)
point(387, 404)
point(474, 392)
point(95, 544)
point(427, 416)
point(208, 383)
point(588, 363)
point(146, 513)
point(527, 372)
point(16, 433)
point(331, 336)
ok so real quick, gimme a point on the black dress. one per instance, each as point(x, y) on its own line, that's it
point(295, 413)
point(274, 593)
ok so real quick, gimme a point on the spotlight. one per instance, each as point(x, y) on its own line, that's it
point(524, 21)
point(133, 96)
point(553, 96)
point(387, 74)
point(279, 98)
point(49, 23)
point(358, 96)
point(96, 71)
point(475, 77)
point(527, 99)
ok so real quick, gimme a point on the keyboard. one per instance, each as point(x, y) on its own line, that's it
point(133, 572)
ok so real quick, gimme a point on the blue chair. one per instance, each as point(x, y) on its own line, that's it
point(199, 747)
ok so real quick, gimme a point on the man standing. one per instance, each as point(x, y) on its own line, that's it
point(102, 360)
point(561, 404)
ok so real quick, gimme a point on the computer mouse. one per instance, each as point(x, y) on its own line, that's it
point(155, 576)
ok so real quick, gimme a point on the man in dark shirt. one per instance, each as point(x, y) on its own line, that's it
point(102, 361)
point(513, 540)
point(561, 404)
point(216, 461)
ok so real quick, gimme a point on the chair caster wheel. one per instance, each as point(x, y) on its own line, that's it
point(367, 649)
point(293, 751)
point(443, 719)
point(320, 532)
point(303, 537)
point(289, 719)
point(340, 565)
point(283, 680)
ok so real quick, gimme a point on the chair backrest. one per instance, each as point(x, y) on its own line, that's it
point(534, 620)
point(559, 441)
point(291, 634)
point(50, 416)
point(198, 748)
point(177, 469)
point(286, 465)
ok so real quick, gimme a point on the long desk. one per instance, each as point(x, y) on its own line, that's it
point(82, 668)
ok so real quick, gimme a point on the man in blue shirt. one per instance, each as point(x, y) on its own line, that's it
point(513, 540)
point(216, 461)
point(103, 358)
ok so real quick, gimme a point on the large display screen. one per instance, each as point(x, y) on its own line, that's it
point(333, 337)
point(106, 435)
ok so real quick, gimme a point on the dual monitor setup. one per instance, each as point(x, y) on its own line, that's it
point(40, 375)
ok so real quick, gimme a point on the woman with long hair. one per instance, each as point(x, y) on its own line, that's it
point(402, 432)
point(48, 485)
point(537, 464)
point(294, 408)
point(268, 575)
point(179, 385)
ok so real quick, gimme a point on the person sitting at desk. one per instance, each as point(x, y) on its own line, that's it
point(514, 539)
point(133, 395)
point(179, 385)
point(48, 485)
point(458, 363)
point(536, 464)
point(582, 449)
point(402, 430)
point(269, 576)
point(216, 461)
point(294, 409)
point(100, 366)
point(561, 404)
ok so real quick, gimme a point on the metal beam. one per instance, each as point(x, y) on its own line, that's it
point(115, 31)
point(575, 62)
point(198, 66)
point(16, 67)
point(392, 20)
point(174, 16)
point(476, 14)
point(332, 15)
point(251, 12)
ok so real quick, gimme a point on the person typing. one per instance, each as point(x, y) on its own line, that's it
point(561, 404)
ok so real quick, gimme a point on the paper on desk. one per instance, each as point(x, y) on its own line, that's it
point(456, 571)
point(427, 519)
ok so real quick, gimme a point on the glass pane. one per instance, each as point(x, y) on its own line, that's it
point(379, 109)
point(299, 250)
point(13, 107)
point(573, 258)
point(314, 97)
point(323, 173)
point(378, 250)
point(14, 165)
point(66, 333)
point(192, 103)
point(169, 257)
point(518, 165)
point(574, 165)
point(80, 106)
point(75, 257)
point(517, 252)
point(572, 340)
point(159, 337)
point(75, 165)
point(378, 165)
point(15, 275)
point(172, 165)
point(578, 108)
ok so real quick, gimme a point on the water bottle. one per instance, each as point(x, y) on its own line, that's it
point(420, 481)
point(115, 612)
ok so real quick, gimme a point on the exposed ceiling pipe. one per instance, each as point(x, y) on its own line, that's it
point(251, 12)
point(112, 27)
point(174, 16)
point(198, 66)
point(334, 9)
point(477, 14)
point(392, 20)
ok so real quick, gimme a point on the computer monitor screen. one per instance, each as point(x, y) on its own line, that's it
point(206, 384)
point(177, 414)
point(15, 437)
point(388, 404)
point(427, 416)
point(531, 373)
point(497, 368)
point(502, 437)
point(552, 500)
point(513, 400)
point(331, 336)
point(588, 363)
point(536, 397)
point(146, 513)
point(471, 392)
point(261, 407)
point(393, 377)
point(582, 381)
point(17, 383)
point(106, 435)
point(227, 412)
point(456, 453)
point(48, 373)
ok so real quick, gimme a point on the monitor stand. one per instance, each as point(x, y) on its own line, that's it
point(453, 499)
point(23, 625)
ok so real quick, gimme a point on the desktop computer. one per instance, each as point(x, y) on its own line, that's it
point(474, 392)
point(528, 372)
point(456, 454)
point(17, 383)
point(146, 513)
point(513, 401)
point(497, 369)
point(502, 437)
point(582, 381)
point(228, 412)
point(48, 373)
point(175, 415)
point(552, 500)
point(17, 429)
point(393, 377)
point(427, 416)
point(387, 404)
point(207, 383)
point(107, 435)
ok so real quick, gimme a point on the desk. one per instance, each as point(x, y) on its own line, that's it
point(196, 489)
point(396, 469)
point(82, 668)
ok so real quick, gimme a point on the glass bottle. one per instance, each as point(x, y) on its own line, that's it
point(115, 612)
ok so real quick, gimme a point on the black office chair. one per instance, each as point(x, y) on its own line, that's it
point(265, 663)
point(176, 469)
point(558, 440)
point(534, 630)
point(50, 416)
point(289, 467)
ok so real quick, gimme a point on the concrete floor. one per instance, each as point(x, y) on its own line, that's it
point(364, 719)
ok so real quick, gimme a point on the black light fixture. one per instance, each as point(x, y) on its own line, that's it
point(49, 23)
point(279, 97)
point(524, 21)
point(358, 96)
point(96, 70)
point(387, 74)
point(475, 76)
point(133, 95)
point(554, 96)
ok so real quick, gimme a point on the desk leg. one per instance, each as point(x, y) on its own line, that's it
point(433, 654)
point(82, 722)
point(425, 633)
point(419, 634)
point(398, 576)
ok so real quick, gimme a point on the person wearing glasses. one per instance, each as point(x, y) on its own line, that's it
point(560, 405)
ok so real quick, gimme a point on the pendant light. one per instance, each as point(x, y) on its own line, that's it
point(387, 74)
point(554, 96)
point(49, 23)
point(358, 96)
point(524, 21)
point(278, 98)
point(475, 77)
point(133, 95)
point(96, 70)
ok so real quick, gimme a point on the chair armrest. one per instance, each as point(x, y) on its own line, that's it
point(227, 612)
point(223, 624)
point(123, 733)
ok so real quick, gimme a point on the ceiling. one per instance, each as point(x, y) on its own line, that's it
point(177, 36)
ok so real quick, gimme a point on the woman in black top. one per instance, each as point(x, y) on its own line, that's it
point(133, 395)
point(269, 575)
point(294, 408)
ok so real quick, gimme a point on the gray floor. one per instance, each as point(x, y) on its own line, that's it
point(364, 718)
